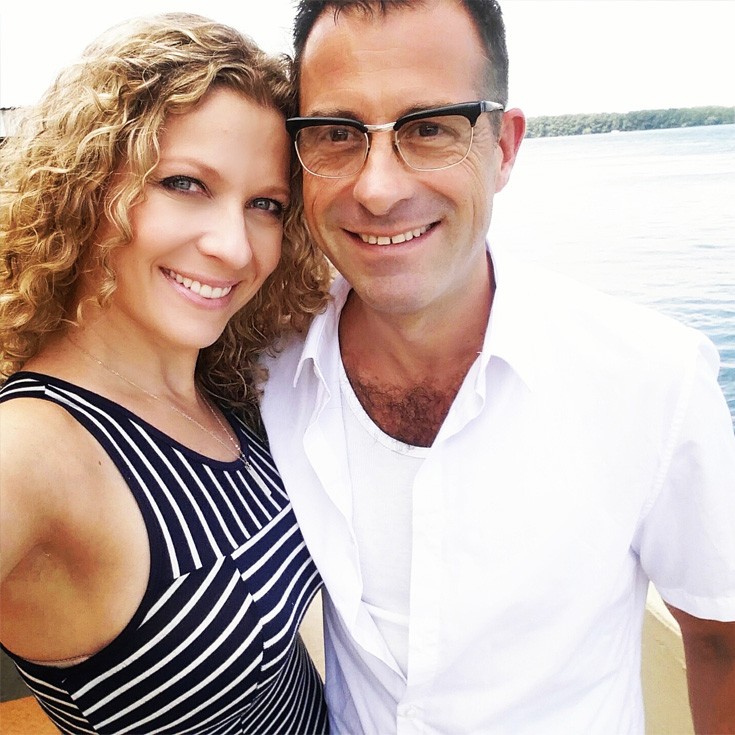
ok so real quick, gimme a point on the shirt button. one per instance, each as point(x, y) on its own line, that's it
point(408, 711)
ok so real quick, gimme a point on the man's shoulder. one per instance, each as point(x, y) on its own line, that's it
point(581, 327)
point(575, 306)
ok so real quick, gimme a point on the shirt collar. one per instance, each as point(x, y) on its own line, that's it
point(324, 330)
point(514, 318)
point(509, 335)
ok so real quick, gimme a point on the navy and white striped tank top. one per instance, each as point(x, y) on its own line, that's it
point(214, 647)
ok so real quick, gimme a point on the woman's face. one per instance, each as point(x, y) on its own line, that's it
point(208, 231)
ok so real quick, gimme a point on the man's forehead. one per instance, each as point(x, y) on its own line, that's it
point(374, 14)
point(373, 11)
point(424, 55)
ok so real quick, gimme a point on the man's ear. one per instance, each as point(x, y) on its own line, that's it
point(511, 134)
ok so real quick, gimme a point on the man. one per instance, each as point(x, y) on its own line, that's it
point(488, 462)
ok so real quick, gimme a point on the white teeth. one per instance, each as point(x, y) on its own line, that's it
point(395, 239)
point(202, 289)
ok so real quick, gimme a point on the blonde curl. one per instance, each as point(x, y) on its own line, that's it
point(59, 180)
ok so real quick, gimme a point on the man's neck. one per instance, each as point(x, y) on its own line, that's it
point(407, 372)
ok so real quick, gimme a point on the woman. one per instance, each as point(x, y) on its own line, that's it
point(153, 576)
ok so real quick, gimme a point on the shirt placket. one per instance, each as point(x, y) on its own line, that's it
point(427, 571)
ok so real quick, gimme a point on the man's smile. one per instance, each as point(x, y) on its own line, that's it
point(394, 239)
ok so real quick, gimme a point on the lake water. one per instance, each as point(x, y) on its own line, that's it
point(647, 215)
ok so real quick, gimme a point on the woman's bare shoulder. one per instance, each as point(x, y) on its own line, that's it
point(32, 428)
point(42, 456)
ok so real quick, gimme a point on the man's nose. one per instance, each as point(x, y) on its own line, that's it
point(385, 179)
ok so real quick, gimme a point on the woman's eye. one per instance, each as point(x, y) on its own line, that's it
point(182, 183)
point(268, 205)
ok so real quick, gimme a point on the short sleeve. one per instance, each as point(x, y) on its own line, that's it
point(686, 540)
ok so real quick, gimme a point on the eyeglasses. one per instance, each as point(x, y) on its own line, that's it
point(427, 140)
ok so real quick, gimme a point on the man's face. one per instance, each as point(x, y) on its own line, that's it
point(375, 70)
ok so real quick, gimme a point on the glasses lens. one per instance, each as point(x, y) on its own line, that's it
point(332, 150)
point(435, 142)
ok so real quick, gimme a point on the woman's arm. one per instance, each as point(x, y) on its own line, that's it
point(27, 493)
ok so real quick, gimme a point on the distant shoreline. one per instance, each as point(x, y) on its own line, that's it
point(549, 126)
point(546, 126)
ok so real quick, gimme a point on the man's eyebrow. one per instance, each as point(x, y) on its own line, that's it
point(352, 115)
point(334, 112)
point(424, 106)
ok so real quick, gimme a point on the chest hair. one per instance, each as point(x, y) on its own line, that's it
point(412, 414)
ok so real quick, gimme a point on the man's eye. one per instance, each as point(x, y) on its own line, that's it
point(337, 135)
point(427, 130)
point(268, 205)
point(182, 183)
point(341, 134)
point(422, 129)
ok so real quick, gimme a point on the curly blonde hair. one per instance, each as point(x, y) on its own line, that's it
point(57, 183)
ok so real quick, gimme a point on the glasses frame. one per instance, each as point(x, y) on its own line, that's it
point(469, 110)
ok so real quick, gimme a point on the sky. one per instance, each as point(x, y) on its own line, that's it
point(566, 56)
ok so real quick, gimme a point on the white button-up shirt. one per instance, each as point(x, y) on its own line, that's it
point(589, 450)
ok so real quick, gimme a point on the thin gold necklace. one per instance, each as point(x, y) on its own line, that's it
point(233, 444)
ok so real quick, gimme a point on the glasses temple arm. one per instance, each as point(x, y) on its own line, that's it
point(491, 106)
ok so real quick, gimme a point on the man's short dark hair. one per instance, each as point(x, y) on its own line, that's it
point(485, 15)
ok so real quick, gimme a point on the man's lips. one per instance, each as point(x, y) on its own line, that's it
point(396, 239)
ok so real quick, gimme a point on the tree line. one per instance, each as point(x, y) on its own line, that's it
point(605, 122)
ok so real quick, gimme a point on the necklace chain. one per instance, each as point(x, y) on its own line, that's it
point(233, 444)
